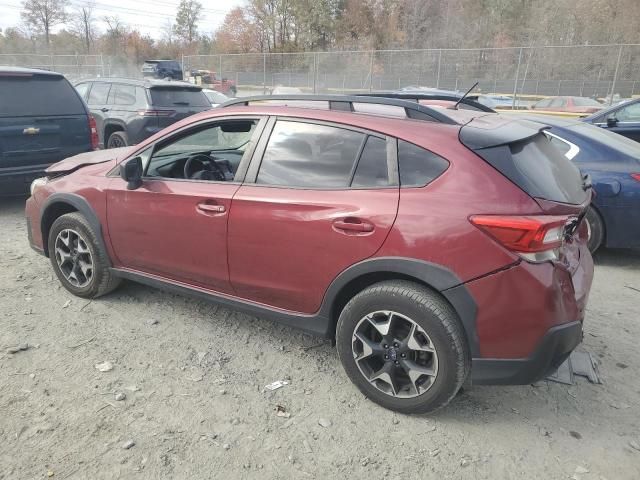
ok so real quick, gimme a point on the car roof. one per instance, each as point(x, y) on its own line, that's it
point(142, 82)
point(26, 71)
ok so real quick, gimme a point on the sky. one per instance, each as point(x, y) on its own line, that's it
point(147, 16)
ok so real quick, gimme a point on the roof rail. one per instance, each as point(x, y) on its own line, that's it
point(470, 100)
point(345, 103)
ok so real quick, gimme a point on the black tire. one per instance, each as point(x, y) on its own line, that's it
point(117, 140)
point(102, 280)
point(596, 229)
point(430, 312)
point(233, 90)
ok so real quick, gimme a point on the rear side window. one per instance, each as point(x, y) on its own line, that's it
point(418, 166)
point(309, 155)
point(372, 170)
point(123, 94)
point(29, 95)
point(176, 97)
point(544, 172)
point(99, 93)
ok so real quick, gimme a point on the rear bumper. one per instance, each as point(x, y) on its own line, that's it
point(554, 348)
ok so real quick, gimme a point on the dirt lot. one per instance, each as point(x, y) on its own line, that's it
point(193, 375)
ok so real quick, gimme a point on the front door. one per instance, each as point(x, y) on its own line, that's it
point(321, 199)
point(175, 224)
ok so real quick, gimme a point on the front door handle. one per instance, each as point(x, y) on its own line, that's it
point(104, 109)
point(353, 225)
point(211, 208)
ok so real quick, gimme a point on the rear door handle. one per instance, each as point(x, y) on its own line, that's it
point(104, 109)
point(353, 225)
point(211, 208)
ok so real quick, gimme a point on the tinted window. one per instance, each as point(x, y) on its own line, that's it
point(372, 168)
point(169, 65)
point(418, 166)
point(563, 147)
point(610, 139)
point(99, 94)
point(558, 102)
point(123, 94)
point(306, 155)
point(172, 97)
point(38, 95)
point(547, 172)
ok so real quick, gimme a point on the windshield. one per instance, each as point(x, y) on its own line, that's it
point(586, 102)
point(613, 140)
point(172, 96)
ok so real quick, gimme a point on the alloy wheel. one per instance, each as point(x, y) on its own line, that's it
point(394, 354)
point(74, 258)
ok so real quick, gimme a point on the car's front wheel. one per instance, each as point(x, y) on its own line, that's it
point(403, 346)
point(80, 263)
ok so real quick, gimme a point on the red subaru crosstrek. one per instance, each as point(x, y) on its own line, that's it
point(436, 246)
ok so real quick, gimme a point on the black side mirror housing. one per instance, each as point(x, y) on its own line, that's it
point(612, 121)
point(131, 172)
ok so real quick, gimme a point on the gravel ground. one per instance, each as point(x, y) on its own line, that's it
point(185, 397)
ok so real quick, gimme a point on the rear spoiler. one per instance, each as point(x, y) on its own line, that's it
point(493, 131)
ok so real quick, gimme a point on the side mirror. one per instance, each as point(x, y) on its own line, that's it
point(612, 121)
point(131, 172)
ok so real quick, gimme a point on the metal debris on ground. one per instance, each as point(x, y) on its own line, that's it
point(281, 411)
point(578, 363)
point(18, 348)
point(104, 366)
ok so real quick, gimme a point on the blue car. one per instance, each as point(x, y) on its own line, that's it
point(622, 118)
point(613, 163)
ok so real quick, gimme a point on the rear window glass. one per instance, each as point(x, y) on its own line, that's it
point(545, 172)
point(175, 97)
point(418, 166)
point(38, 95)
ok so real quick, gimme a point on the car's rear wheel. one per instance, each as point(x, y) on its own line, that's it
point(80, 263)
point(403, 346)
point(117, 140)
point(595, 226)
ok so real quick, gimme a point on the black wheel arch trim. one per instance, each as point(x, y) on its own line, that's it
point(82, 206)
point(433, 275)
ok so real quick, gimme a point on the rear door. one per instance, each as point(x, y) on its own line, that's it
point(177, 102)
point(42, 120)
point(318, 198)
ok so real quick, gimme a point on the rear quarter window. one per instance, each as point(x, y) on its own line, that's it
point(38, 95)
point(418, 166)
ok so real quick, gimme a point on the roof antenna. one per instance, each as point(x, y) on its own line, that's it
point(455, 107)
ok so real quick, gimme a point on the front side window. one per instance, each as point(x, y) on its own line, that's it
point(212, 152)
point(558, 103)
point(309, 155)
point(630, 113)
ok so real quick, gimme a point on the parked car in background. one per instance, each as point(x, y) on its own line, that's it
point(581, 105)
point(162, 69)
point(210, 80)
point(381, 223)
point(282, 90)
point(613, 163)
point(127, 111)
point(42, 121)
point(623, 118)
point(216, 98)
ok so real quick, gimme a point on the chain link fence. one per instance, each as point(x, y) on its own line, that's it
point(72, 66)
point(591, 71)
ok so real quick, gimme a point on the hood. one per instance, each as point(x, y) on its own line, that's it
point(89, 158)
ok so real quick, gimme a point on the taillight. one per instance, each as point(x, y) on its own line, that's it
point(156, 113)
point(535, 238)
point(93, 129)
point(636, 176)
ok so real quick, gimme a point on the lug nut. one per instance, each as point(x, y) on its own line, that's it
point(395, 345)
point(386, 357)
point(397, 362)
point(403, 355)
point(386, 346)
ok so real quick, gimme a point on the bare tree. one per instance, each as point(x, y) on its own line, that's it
point(82, 24)
point(187, 18)
point(168, 32)
point(42, 15)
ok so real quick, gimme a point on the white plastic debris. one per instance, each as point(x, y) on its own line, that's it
point(104, 366)
point(276, 385)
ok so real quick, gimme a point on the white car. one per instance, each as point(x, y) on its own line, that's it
point(216, 98)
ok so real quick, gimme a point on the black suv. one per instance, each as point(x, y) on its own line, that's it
point(42, 121)
point(163, 69)
point(127, 111)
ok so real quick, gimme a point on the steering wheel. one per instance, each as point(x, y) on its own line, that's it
point(207, 168)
